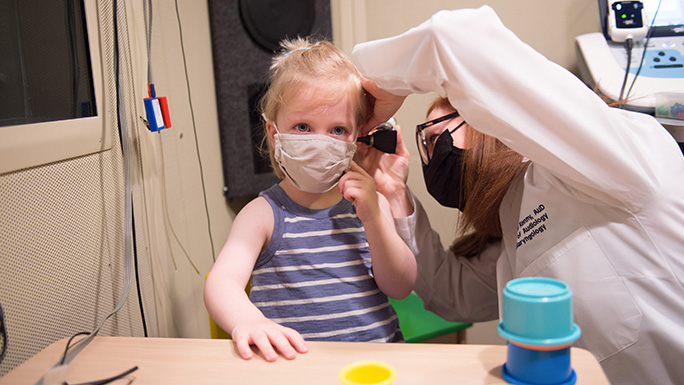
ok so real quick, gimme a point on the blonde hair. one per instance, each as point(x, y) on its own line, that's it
point(304, 64)
point(490, 167)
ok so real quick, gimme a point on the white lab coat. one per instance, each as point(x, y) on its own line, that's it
point(601, 205)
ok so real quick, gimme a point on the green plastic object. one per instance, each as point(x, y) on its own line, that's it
point(418, 324)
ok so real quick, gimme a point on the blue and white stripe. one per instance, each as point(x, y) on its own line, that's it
point(315, 275)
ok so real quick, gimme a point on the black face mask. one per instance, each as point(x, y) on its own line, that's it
point(443, 173)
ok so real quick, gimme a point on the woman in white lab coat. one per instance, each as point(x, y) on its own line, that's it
point(598, 201)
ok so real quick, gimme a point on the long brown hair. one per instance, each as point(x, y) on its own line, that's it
point(490, 167)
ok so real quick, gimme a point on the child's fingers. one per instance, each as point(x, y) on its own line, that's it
point(350, 189)
point(283, 345)
point(356, 168)
point(356, 173)
point(349, 197)
point(296, 340)
point(263, 343)
point(345, 179)
point(243, 348)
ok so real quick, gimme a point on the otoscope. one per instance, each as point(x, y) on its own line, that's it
point(384, 137)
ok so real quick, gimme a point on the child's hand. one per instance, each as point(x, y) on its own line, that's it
point(359, 188)
point(267, 335)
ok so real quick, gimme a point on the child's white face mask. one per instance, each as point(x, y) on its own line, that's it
point(314, 163)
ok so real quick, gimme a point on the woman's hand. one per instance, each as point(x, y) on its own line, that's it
point(390, 172)
point(382, 105)
point(268, 337)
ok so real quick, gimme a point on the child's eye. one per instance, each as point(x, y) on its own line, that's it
point(338, 130)
point(301, 127)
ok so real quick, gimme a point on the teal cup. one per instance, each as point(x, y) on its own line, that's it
point(538, 312)
point(537, 322)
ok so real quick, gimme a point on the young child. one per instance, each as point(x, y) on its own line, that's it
point(320, 246)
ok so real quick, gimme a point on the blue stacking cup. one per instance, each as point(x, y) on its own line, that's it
point(538, 311)
point(537, 322)
point(538, 367)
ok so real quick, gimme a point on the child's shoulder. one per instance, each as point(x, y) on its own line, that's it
point(256, 206)
point(261, 208)
point(255, 219)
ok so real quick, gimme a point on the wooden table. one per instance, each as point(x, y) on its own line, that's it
point(206, 361)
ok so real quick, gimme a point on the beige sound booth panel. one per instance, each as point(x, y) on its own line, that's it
point(62, 223)
point(61, 239)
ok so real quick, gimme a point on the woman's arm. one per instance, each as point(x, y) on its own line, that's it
point(455, 288)
point(504, 88)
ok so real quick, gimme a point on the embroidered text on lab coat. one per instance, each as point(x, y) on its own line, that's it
point(532, 225)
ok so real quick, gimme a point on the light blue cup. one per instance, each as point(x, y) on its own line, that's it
point(538, 312)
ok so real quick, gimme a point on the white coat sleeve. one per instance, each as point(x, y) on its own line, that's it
point(457, 289)
point(504, 88)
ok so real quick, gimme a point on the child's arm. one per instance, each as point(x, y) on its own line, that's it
point(394, 266)
point(224, 290)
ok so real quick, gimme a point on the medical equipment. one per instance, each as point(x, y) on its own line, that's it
point(626, 21)
point(383, 137)
point(157, 110)
point(657, 61)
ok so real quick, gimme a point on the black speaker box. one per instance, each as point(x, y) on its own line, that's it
point(245, 35)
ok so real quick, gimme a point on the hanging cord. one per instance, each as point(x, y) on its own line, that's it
point(152, 93)
point(57, 374)
point(147, 8)
point(194, 127)
point(167, 217)
point(96, 382)
point(643, 55)
point(137, 277)
point(3, 335)
point(629, 43)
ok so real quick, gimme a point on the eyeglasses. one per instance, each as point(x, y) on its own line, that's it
point(424, 146)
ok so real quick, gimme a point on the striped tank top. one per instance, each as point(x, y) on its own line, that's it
point(315, 275)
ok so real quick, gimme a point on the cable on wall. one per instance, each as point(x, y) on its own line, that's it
point(194, 127)
point(167, 222)
point(137, 278)
point(167, 219)
point(58, 373)
point(3, 335)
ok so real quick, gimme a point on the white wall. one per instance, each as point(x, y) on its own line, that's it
point(548, 26)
